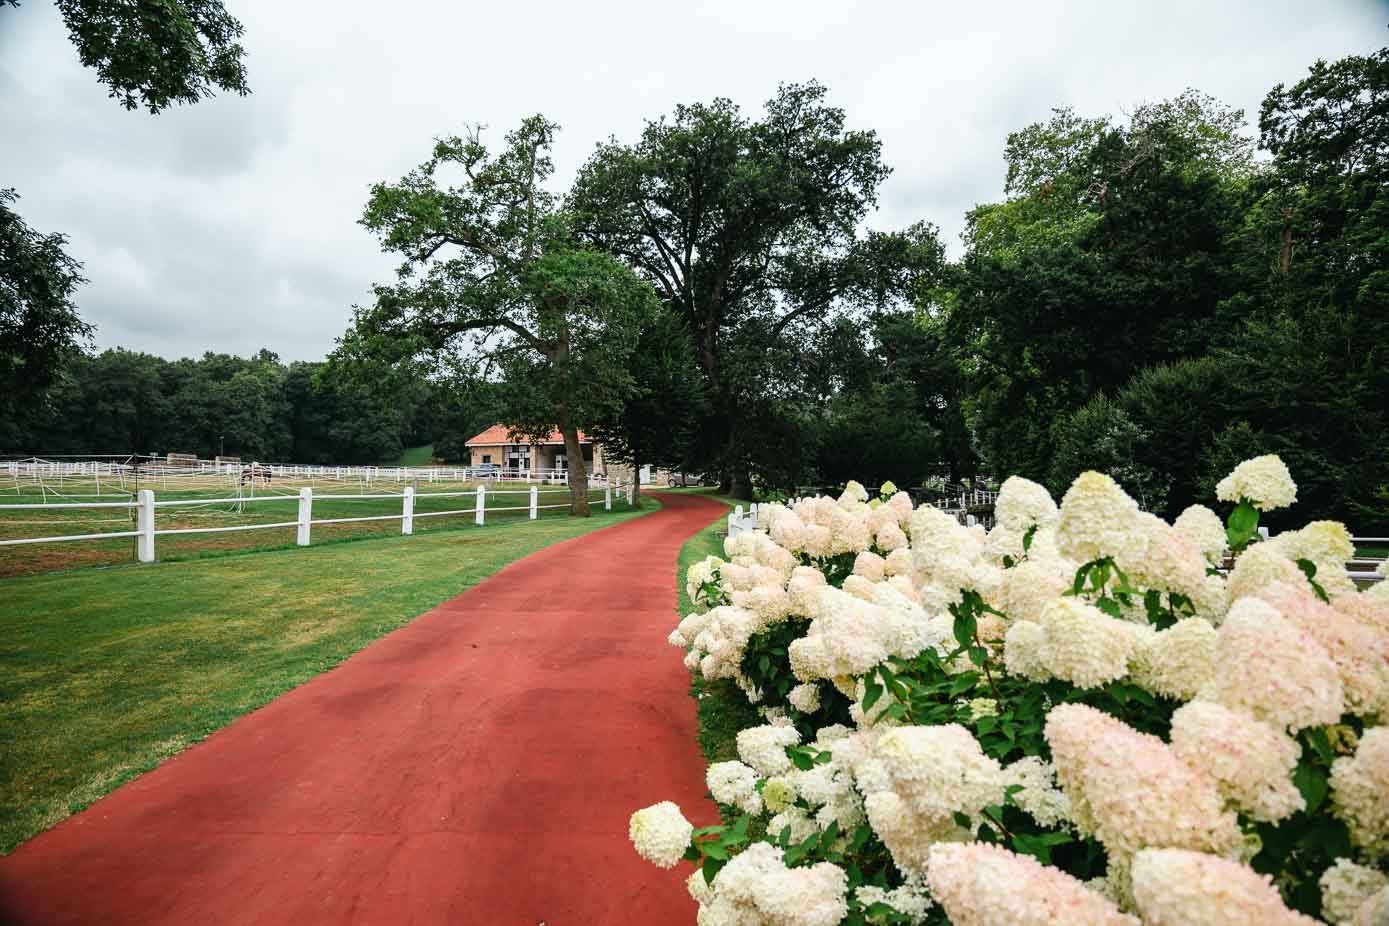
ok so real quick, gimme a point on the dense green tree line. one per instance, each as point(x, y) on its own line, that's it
point(122, 402)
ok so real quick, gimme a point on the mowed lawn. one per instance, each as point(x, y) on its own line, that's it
point(106, 672)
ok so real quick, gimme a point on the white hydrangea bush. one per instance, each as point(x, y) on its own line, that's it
point(1083, 715)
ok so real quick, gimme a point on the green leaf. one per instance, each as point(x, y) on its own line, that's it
point(871, 693)
point(1242, 525)
point(1311, 782)
point(1309, 569)
point(711, 868)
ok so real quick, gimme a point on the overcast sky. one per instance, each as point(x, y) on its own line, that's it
point(231, 225)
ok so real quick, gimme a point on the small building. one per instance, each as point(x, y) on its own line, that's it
point(495, 446)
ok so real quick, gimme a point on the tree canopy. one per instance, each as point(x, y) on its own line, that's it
point(494, 281)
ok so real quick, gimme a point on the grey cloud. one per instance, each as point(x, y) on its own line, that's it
point(231, 225)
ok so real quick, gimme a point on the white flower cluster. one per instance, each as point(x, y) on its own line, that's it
point(1264, 481)
point(1250, 659)
point(916, 779)
point(660, 833)
point(757, 887)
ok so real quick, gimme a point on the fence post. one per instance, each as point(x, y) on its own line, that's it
point(535, 500)
point(144, 523)
point(407, 515)
point(480, 514)
point(301, 536)
point(608, 497)
point(732, 524)
point(629, 494)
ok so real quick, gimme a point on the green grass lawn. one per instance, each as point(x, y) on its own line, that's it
point(104, 673)
point(723, 709)
point(417, 456)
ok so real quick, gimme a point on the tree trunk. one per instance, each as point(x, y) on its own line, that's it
point(578, 475)
point(741, 484)
point(636, 481)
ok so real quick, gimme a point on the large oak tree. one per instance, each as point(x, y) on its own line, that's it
point(493, 281)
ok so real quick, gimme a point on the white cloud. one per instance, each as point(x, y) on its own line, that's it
point(231, 225)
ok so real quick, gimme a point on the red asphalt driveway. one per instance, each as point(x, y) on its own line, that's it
point(479, 765)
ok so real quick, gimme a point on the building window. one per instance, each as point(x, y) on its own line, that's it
point(487, 458)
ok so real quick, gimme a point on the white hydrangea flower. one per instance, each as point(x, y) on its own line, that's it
point(1346, 887)
point(915, 779)
point(1023, 648)
point(1085, 646)
point(1099, 519)
point(799, 822)
point(1023, 504)
point(1039, 796)
point(756, 887)
point(1176, 662)
point(1205, 530)
point(764, 748)
point(1264, 481)
point(1251, 761)
point(734, 784)
point(911, 899)
point(1176, 887)
point(805, 697)
point(1359, 785)
point(778, 794)
point(660, 833)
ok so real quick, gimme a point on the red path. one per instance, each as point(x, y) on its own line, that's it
point(477, 766)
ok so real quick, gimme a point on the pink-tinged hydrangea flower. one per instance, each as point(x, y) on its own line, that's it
point(915, 779)
point(1130, 790)
point(1264, 481)
point(1361, 654)
point(890, 537)
point(1266, 665)
point(804, 589)
point(870, 565)
point(1176, 662)
point(1369, 610)
point(1347, 887)
point(1204, 529)
point(1360, 791)
point(756, 887)
point(898, 562)
point(1023, 504)
point(1251, 761)
point(660, 833)
point(1174, 887)
point(1099, 519)
point(985, 885)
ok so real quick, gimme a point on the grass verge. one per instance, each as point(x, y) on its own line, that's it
point(723, 709)
point(104, 673)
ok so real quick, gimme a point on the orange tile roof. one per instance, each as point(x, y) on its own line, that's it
point(501, 434)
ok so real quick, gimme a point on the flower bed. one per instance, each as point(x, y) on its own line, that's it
point(1077, 717)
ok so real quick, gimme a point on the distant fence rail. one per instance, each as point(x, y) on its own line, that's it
point(146, 507)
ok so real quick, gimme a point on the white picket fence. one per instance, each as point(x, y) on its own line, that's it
point(146, 507)
point(738, 522)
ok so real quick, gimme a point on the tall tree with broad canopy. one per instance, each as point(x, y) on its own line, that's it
point(657, 423)
point(493, 281)
point(750, 231)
